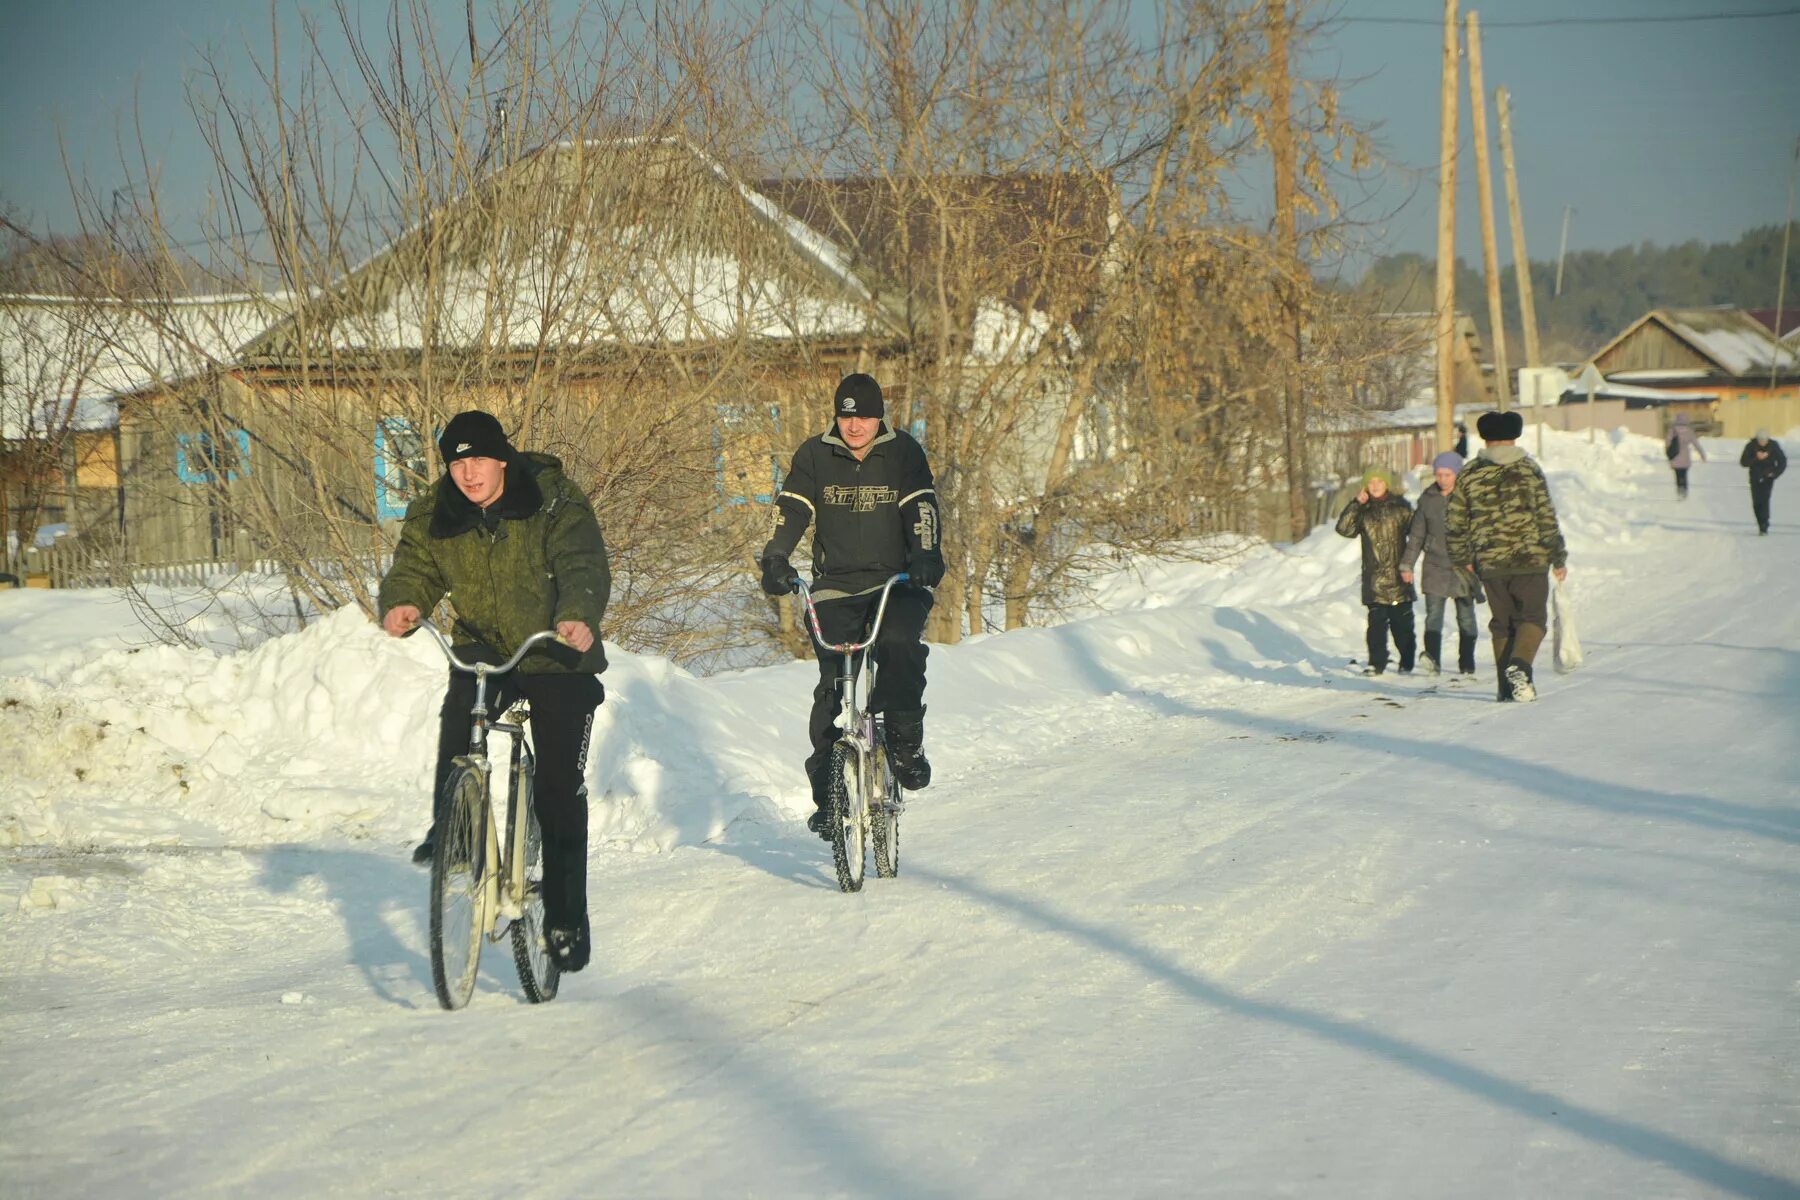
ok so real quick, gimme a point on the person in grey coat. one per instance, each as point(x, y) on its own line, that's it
point(1684, 443)
point(1442, 579)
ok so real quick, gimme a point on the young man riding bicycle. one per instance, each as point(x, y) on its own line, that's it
point(516, 546)
point(868, 492)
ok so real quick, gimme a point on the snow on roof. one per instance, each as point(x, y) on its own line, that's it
point(65, 360)
point(1637, 395)
point(1732, 338)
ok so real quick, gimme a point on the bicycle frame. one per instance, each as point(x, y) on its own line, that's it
point(851, 719)
point(502, 886)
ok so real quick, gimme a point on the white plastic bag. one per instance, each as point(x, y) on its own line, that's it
point(1562, 615)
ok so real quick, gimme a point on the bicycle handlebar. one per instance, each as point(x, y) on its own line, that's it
point(478, 668)
point(812, 616)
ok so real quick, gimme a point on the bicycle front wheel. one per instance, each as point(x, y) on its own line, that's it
point(884, 817)
point(457, 867)
point(538, 972)
point(849, 816)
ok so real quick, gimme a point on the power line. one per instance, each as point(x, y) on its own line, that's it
point(1437, 23)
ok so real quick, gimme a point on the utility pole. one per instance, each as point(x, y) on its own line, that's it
point(1490, 248)
point(1446, 247)
point(1561, 250)
point(1521, 259)
point(1287, 237)
point(1787, 228)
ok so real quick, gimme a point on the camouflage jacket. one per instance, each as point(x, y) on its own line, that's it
point(1500, 518)
point(533, 558)
point(1382, 526)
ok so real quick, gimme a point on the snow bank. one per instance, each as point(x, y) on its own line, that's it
point(328, 733)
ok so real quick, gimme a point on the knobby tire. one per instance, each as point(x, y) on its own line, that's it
point(538, 972)
point(847, 850)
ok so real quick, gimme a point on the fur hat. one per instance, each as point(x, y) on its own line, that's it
point(474, 434)
point(1500, 426)
point(1448, 460)
point(857, 395)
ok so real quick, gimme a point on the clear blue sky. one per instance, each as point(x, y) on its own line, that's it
point(1652, 131)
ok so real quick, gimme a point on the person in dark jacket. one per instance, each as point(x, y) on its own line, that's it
point(1379, 516)
point(1500, 523)
point(516, 546)
point(1684, 443)
point(1442, 579)
point(1764, 458)
point(867, 491)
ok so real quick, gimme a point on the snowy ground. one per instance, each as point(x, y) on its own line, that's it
point(1189, 910)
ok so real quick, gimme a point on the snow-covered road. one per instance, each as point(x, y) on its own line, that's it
point(1208, 917)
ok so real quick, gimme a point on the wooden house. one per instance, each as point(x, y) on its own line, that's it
point(1739, 374)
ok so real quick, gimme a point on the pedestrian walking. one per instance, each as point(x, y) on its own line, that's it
point(1380, 516)
point(1500, 523)
point(1764, 458)
point(1442, 580)
point(1684, 443)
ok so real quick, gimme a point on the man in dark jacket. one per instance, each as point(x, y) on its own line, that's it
point(516, 546)
point(1500, 523)
point(1380, 517)
point(868, 492)
point(1763, 457)
point(1442, 579)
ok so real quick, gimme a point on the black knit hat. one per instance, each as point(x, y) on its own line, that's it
point(474, 434)
point(857, 395)
point(1500, 426)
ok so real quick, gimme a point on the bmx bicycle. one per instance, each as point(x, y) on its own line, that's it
point(864, 803)
point(487, 879)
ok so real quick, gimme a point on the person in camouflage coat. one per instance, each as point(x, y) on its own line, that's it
point(1380, 517)
point(515, 545)
point(1500, 523)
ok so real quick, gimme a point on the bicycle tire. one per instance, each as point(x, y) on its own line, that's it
point(538, 972)
point(847, 824)
point(884, 817)
point(458, 864)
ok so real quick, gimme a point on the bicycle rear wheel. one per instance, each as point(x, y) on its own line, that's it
point(538, 972)
point(457, 866)
point(884, 817)
point(848, 816)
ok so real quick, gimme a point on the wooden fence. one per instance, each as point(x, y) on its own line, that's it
point(71, 563)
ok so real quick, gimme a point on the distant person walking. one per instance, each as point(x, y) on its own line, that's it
point(1442, 579)
point(1684, 443)
point(1499, 523)
point(1765, 460)
point(1379, 516)
point(1462, 441)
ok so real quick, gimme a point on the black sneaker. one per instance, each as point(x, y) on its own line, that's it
point(570, 948)
point(820, 823)
point(906, 749)
point(423, 851)
point(1518, 680)
point(1372, 671)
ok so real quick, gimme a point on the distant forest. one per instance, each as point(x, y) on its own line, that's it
point(1603, 291)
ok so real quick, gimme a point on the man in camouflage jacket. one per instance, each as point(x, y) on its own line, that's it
point(516, 546)
point(1500, 523)
point(1380, 516)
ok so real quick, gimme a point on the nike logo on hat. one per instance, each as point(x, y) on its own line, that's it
point(461, 446)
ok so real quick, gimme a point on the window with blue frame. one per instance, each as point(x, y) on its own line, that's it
point(399, 466)
point(917, 429)
point(749, 466)
point(208, 457)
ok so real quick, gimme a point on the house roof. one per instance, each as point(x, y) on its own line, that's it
point(624, 241)
point(1789, 319)
point(67, 359)
point(1731, 339)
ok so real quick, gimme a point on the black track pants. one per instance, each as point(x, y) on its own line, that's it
point(899, 658)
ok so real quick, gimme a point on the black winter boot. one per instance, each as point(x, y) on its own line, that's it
point(819, 775)
point(570, 948)
point(1465, 654)
point(1434, 651)
point(906, 751)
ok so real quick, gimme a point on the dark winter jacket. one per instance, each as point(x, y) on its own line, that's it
point(1441, 577)
point(1500, 517)
point(528, 561)
point(1766, 462)
point(870, 517)
point(1382, 526)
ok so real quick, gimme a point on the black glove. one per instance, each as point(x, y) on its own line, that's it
point(925, 568)
point(778, 576)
